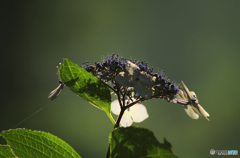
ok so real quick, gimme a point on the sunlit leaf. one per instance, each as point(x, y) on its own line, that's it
point(86, 85)
point(133, 142)
point(28, 144)
point(6, 152)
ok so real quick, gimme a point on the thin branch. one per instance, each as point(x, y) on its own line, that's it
point(129, 96)
point(123, 95)
point(137, 101)
point(122, 104)
point(120, 117)
point(118, 96)
point(109, 86)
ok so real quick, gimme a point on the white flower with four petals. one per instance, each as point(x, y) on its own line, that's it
point(189, 101)
point(136, 113)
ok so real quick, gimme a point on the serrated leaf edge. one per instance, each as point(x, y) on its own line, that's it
point(38, 141)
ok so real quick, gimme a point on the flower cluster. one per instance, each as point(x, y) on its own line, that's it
point(133, 82)
point(133, 73)
point(137, 80)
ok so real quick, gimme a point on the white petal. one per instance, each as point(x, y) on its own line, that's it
point(186, 90)
point(115, 107)
point(187, 95)
point(182, 95)
point(138, 112)
point(195, 109)
point(147, 79)
point(203, 112)
point(126, 120)
point(175, 100)
point(125, 79)
point(132, 69)
point(188, 109)
point(142, 89)
point(193, 96)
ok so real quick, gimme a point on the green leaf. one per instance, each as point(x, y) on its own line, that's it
point(133, 142)
point(6, 152)
point(86, 85)
point(28, 144)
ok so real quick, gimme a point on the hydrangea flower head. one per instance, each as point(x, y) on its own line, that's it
point(133, 73)
point(135, 81)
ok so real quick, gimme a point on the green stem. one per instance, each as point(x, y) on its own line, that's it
point(108, 152)
point(111, 118)
point(123, 108)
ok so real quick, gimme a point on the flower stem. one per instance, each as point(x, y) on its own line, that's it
point(120, 117)
point(111, 118)
point(108, 152)
point(123, 108)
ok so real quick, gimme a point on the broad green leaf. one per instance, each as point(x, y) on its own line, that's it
point(86, 85)
point(133, 142)
point(28, 144)
point(6, 152)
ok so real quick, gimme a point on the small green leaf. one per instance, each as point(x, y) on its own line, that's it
point(28, 144)
point(133, 142)
point(6, 152)
point(86, 85)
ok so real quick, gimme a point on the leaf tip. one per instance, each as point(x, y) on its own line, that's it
point(65, 59)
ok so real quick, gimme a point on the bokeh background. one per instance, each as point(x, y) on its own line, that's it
point(194, 41)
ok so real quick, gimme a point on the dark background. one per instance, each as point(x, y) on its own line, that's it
point(194, 41)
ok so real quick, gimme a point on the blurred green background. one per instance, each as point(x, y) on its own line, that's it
point(194, 41)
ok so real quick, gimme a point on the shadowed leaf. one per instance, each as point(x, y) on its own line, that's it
point(133, 142)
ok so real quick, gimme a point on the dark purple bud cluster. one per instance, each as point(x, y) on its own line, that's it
point(165, 87)
point(111, 65)
point(143, 66)
point(107, 69)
